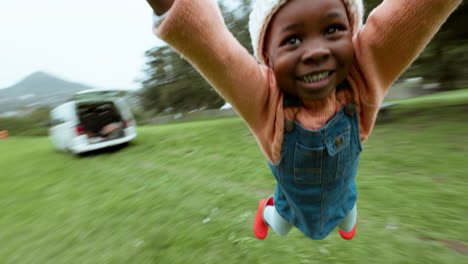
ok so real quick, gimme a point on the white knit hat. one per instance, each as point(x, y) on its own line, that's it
point(263, 11)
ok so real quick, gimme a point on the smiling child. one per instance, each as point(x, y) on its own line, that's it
point(310, 95)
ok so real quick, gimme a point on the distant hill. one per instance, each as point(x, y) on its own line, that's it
point(38, 89)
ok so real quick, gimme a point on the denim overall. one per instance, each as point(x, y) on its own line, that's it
point(315, 186)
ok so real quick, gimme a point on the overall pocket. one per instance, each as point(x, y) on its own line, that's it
point(308, 164)
point(339, 156)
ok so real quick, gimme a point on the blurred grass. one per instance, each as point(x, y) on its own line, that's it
point(187, 193)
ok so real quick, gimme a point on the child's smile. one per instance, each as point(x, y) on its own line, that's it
point(315, 80)
point(309, 47)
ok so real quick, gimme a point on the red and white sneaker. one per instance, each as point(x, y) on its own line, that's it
point(260, 226)
point(347, 235)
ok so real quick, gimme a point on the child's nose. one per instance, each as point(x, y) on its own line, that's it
point(315, 54)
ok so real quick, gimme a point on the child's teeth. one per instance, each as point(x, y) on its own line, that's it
point(316, 77)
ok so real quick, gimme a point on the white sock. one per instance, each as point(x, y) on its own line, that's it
point(348, 223)
point(276, 221)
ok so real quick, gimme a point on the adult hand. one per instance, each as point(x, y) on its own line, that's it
point(160, 6)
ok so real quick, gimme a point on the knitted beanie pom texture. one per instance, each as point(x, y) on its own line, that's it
point(264, 10)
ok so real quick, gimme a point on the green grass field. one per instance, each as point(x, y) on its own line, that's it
point(187, 193)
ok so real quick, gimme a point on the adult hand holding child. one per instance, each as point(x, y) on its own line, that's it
point(160, 6)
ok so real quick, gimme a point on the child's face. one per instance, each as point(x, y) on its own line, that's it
point(309, 47)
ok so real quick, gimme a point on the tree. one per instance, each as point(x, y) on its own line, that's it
point(174, 85)
point(440, 62)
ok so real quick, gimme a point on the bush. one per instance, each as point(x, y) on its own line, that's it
point(33, 124)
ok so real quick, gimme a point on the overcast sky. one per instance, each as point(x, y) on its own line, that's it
point(95, 42)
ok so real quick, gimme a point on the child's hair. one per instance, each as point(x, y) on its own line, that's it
point(263, 11)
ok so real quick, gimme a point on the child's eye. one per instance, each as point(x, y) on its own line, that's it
point(294, 40)
point(334, 29)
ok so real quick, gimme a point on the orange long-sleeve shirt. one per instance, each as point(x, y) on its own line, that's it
point(393, 36)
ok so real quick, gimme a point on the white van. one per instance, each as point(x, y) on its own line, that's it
point(92, 120)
